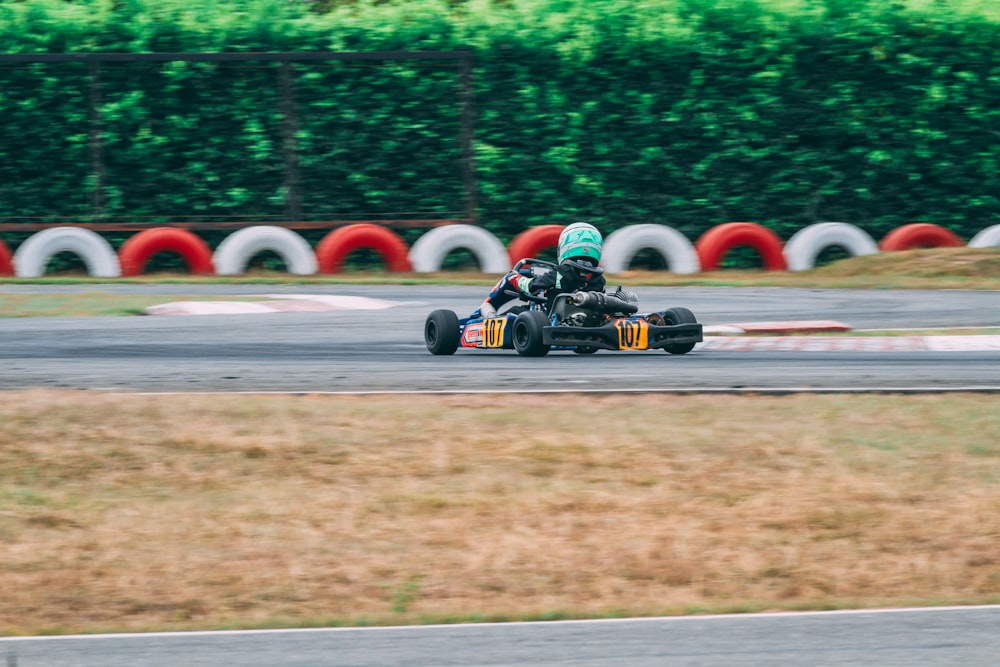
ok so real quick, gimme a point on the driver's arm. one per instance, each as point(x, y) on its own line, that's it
point(540, 283)
point(501, 294)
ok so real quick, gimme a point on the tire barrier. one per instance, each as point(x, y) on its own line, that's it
point(531, 242)
point(237, 249)
point(716, 242)
point(624, 244)
point(987, 238)
point(136, 252)
point(97, 254)
point(429, 251)
point(806, 244)
point(337, 245)
point(919, 235)
point(6, 260)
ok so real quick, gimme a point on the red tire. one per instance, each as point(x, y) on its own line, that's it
point(531, 242)
point(338, 244)
point(138, 249)
point(716, 242)
point(919, 235)
point(6, 260)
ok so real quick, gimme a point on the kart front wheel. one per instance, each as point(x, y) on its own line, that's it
point(527, 334)
point(442, 332)
point(679, 315)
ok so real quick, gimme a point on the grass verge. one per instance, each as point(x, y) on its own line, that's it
point(124, 512)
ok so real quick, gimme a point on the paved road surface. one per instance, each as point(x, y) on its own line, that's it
point(955, 637)
point(382, 350)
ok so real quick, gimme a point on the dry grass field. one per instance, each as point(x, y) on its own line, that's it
point(129, 512)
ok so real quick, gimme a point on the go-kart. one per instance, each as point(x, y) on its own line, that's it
point(581, 321)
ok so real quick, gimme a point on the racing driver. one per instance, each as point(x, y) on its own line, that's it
point(579, 253)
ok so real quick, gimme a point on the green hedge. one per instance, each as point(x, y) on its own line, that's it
point(688, 113)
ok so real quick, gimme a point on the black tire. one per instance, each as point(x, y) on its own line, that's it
point(442, 332)
point(679, 315)
point(527, 334)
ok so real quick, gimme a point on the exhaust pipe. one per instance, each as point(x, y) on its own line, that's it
point(601, 302)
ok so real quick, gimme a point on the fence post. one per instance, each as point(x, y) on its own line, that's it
point(468, 155)
point(95, 144)
point(289, 142)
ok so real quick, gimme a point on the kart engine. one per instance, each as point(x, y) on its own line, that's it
point(569, 314)
point(590, 308)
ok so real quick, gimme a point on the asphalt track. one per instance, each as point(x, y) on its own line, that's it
point(944, 637)
point(382, 350)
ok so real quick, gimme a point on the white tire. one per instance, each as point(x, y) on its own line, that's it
point(34, 254)
point(987, 238)
point(428, 252)
point(237, 249)
point(806, 244)
point(624, 244)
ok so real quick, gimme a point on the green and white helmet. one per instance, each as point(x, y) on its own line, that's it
point(580, 241)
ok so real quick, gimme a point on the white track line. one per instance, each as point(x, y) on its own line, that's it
point(775, 391)
point(277, 303)
point(590, 621)
point(970, 343)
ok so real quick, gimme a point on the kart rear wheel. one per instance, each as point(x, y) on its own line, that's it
point(679, 315)
point(442, 332)
point(527, 334)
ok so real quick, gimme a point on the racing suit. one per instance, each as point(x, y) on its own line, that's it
point(563, 278)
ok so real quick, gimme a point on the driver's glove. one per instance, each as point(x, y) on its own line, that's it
point(517, 281)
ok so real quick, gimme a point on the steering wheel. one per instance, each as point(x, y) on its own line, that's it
point(528, 296)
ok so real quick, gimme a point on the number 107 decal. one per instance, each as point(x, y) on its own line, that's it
point(493, 332)
point(632, 334)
